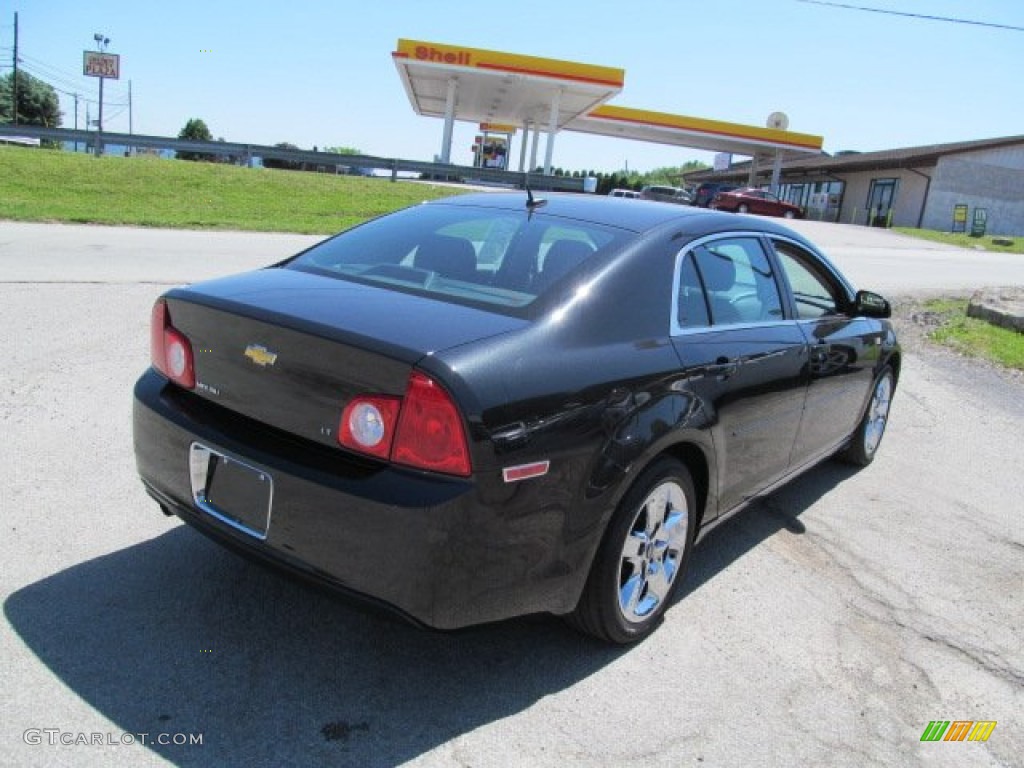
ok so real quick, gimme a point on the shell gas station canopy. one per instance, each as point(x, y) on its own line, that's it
point(551, 95)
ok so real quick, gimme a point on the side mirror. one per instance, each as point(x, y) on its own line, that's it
point(868, 304)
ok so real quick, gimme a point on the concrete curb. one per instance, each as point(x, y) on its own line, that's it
point(1004, 308)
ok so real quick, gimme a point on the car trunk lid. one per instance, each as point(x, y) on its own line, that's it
point(290, 348)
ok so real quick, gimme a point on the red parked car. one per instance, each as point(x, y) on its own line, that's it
point(752, 200)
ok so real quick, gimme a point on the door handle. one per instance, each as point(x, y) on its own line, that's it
point(724, 367)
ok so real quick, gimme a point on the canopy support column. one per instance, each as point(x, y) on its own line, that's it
point(776, 171)
point(552, 130)
point(449, 120)
point(533, 145)
point(522, 147)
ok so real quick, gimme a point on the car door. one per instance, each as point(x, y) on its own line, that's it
point(742, 358)
point(756, 201)
point(844, 350)
point(770, 204)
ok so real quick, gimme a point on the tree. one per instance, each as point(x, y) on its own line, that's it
point(673, 175)
point(343, 150)
point(38, 103)
point(195, 130)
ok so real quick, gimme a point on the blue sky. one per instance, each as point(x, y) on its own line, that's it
point(314, 72)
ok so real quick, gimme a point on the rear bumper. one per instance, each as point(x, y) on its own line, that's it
point(444, 552)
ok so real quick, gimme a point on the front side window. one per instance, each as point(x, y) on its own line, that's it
point(738, 281)
point(814, 293)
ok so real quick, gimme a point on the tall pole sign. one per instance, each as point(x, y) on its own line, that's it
point(102, 65)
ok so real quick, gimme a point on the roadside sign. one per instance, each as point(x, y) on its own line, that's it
point(96, 64)
point(498, 128)
point(960, 217)
point(980, 222)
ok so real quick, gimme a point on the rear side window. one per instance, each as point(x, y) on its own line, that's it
point(738, 281)
point(498, 258)
point(691, 306)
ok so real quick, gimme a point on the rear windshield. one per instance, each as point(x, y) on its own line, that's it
point(498, 258)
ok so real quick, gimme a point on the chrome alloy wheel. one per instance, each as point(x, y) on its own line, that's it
point(878, 414)
point(652, 552)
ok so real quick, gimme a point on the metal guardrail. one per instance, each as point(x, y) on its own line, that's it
point(244, 153)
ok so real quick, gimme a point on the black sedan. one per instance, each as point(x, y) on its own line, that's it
point(496, 405)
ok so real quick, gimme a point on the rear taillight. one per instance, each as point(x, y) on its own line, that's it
point(422, 430)
point(368, 425)
point(170, 350)
point(430, 434)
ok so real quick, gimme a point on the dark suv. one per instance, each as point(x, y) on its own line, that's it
point(706, 192)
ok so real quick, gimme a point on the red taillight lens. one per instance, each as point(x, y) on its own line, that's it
point(422, 430)
point(170, 351)
point(430, 434)
point(368, 425)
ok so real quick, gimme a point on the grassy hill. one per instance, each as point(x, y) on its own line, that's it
point(50, 185)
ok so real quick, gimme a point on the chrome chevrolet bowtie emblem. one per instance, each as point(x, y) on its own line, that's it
point(260, 355)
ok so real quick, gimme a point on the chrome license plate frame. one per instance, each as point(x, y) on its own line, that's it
point(233, 491)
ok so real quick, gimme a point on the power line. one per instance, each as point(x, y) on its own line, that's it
point(81, 93)
point(51, 74)
point(45, 73)
point(121, 111)
point(913, 15)
point(74, 86)
point(68, 80)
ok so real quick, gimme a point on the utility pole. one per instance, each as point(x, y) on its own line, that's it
point(14, 83)
point(76, 120)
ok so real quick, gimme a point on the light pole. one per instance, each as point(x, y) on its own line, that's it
point(101, 43)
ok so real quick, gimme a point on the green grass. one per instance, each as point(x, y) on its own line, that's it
point(965, 240)
point(974, 337)
point(50, 185)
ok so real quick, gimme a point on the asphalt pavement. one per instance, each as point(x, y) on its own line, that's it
point(826, 625)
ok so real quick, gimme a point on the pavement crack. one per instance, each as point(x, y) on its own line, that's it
point(975, 655)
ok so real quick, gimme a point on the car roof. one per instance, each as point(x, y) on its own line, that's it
point(617, 212)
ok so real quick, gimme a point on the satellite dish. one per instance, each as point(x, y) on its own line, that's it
point(778, 120)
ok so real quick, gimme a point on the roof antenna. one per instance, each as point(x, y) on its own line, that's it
point(531, 201)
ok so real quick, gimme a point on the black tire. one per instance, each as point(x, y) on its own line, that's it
point(648, 578)
point(742, 208)
point(868, 435)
